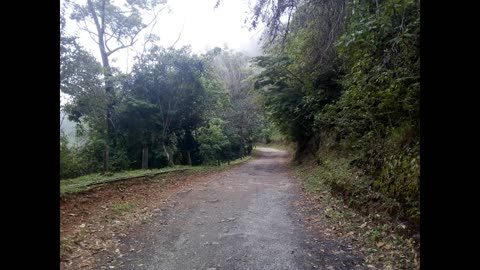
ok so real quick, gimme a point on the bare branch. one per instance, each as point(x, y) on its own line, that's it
point(179, 35)
point(136, 52)
point(149, 35)
point(133, 41)
point(93, 35)
point(121, 47)
point(286, 30)
point(110, 36)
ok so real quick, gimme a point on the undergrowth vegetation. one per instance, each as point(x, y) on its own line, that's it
point(341, 80)
point(354, 211)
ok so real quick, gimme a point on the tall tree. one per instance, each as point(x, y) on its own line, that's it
point(113, 28)
point(81, 79)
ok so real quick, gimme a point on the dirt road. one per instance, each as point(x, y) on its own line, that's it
point(241, 219)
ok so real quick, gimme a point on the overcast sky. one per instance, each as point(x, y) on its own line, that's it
point(200, 25)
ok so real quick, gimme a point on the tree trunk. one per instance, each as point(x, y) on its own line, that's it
point(145, 157)
point(189, 158)
point(109, 129)
point(109, 91)
point(105, 158)
point(108, 76)
point(169, 158)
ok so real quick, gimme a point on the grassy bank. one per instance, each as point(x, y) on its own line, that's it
point(83, 183)
point(355, 210)
point(87, 182)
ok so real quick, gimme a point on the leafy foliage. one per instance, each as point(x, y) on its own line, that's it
point(350, 84)
point(214, 145)
point(174, 108)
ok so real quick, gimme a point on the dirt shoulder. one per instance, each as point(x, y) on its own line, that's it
point(252, 216)
point(91, 221)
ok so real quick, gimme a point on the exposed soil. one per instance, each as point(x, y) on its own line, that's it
point(252, 216)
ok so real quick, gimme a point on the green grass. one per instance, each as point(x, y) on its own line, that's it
point(122, 207)
point(335, 175)
point(80, 183)
point(344, 195)
point(311, 176)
